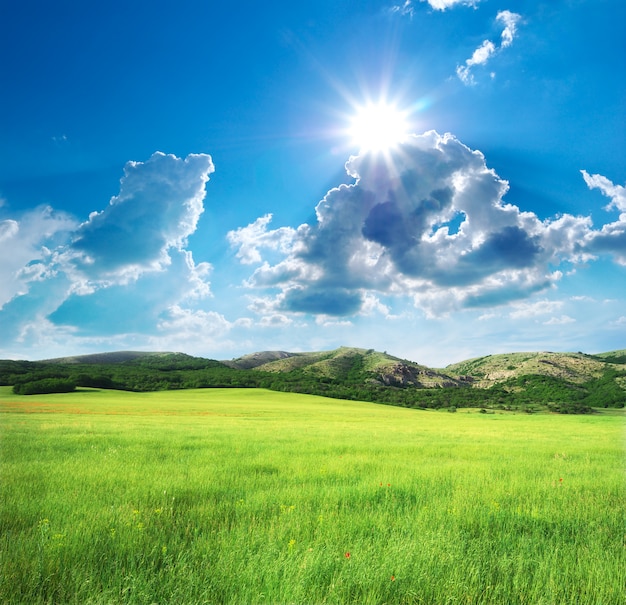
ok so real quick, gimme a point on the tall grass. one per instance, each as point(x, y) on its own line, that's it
point(250, 496)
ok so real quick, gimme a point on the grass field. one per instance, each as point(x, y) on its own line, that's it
point(251, 496)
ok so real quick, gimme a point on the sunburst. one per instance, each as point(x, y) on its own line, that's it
point(378, 127)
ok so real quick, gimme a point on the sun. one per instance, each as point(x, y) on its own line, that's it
point(378, 127)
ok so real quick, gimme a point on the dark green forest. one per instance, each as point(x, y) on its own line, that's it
point(179, 371)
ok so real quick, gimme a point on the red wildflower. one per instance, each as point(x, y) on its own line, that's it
point(393, 578)
point(347, 555)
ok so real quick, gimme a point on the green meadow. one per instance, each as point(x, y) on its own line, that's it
point(236, 496)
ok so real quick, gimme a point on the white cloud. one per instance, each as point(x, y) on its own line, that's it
point(559, 321)
point(8, 229)
point(275, 320)
point(540, 307)
point(187, 323)
point(404, 9)
point(408, 6)
point(129, 256)
point(510, 21)
point(479, 57)
point(157, 208)
point(617, 193)
point(427, 221)
point(332, 322)
point(249, 239)
point(445, 4)
point(24, 248)
point(372, 305)
point(611, 239)
point(488, 49)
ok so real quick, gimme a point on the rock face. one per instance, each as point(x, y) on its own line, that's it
point(403, 375)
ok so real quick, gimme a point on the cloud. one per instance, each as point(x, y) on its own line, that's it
point(8, 229)
point(445, 4)
point(121, 271)
point(510, 21)
point(404, 9)
point(488, 49)
point(322, 300)
point(249, 239)
point(25, 245)
point(560, 321)
point(540, 307)
point(479, 57)
point(136, 306)
point(274, 321)
point(157, 208)
point(187, 323)
point(617, 193)
point(611, 239)
point(427, 221)
point(408, 7)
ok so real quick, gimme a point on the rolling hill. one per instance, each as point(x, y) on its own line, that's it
point(562, 382)
point(378, 368)
point(575, 368)
point(102, 358)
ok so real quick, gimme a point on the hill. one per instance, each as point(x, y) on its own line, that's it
point(613, 356)
point(104, 358)
point(375, 367)
point(560, 382)
point(254, 360)
point(575, 368)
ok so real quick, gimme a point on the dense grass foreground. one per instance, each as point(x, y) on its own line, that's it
point(251, 496)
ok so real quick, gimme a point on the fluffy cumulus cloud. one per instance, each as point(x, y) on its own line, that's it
point(488, 49)
point(249, 239)
point(612, 237)
point(157, 208)
point(426, 220)
point(123, 270)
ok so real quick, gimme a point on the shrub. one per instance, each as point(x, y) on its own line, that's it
point(46, 385)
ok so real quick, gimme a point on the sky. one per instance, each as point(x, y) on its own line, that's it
point(438, 179)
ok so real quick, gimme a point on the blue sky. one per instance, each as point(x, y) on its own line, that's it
point(183, 177)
